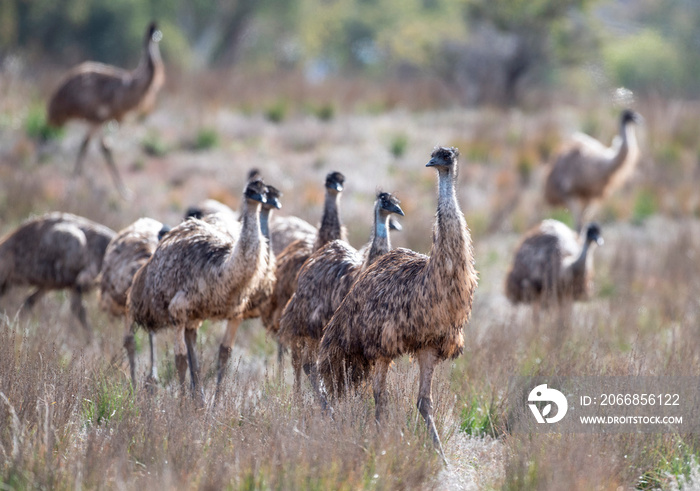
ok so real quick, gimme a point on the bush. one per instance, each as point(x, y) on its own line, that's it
point(206, 139)
point(644, 61)
point(38, 128)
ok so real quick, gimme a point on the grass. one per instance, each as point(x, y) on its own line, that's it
point(206, 139)
point(37, 127)
point(79, 425)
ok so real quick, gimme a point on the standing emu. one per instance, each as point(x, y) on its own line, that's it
point(290, 260)
point(126, 253)
point(54, 251)
point(551, 265)
point(407, 303)
point(199, 272)
point(322, 283)
point(586, 170)
point(98, 93)
point(260, 296)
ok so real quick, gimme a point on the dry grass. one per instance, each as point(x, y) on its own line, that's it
point(68, 416)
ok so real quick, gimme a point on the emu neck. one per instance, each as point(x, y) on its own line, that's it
point(627, 148)
point(251, 233)
point(380, 242)
point(264, 223)
point(578, 267)
point(144, 73)
point(330, 222)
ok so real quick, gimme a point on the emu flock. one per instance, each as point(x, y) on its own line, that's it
point(345, 314)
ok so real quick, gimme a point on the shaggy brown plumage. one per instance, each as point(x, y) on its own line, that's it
point(585, 170)
point(259, 297)
point(98, 93)
point(551, 265)
point(290, 260)
point(130, 249)
point(407, 303)
point(54, 251)
point(198, 272)
point(322, 283)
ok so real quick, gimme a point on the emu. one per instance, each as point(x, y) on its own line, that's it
point(586, 170)
point(98, 93)
point(260, 296)
point(290, 260)
point(407, 302)
point(322, 283)
point(199, 272)
point(552, 266)
point(130, 249)
point(54, 251)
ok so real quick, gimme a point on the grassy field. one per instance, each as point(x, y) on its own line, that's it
point(70, 420)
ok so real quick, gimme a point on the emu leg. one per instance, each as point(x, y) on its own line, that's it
point(225, 352)
point(297, 362)
point(379, 389)
point(78, 308)
point(280, 362)
point(191, 342)
point(181, 357)
point(152, 380)
point(83, 149)
point(427, 361)
point(33, 299)
point(310, 368)
point(121, 188)
point(130, 346)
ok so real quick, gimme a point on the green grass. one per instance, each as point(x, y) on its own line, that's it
point(277, 111)
point(154, 145)
point(398, 145)
point(36, 126)
point(206, 139)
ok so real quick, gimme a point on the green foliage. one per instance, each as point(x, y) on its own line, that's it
point(109, 400)
point(206, 139)
point(479, 419)
point(398, 146)
point(36, 126)
point(645, 205)
point(325, 112)
point(154, 145)
point(644, 61)
point(277, 111)
point(563, 215)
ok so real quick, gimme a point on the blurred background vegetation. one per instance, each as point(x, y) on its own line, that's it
point(484, 51)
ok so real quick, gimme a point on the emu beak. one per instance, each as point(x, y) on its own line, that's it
point(395, 225)
point(258, 197)
point(599, 241)
point(397, 209)
point(336, 186)
point(638, 118)
point(433, 162)
point(157, 36)
point(276, 203)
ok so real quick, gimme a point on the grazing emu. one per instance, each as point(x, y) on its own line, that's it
point(407, 303)
point(126, 253)
point(290, 260)
point(54, 251)
point(98, 93)
point(199, 272)
point(322, 283)
point(551, 265)
point(586, 170)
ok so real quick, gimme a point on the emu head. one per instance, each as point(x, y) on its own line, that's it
point(388, 203)
point(593, 234)
point(272, 197)
point(255, 191)
point(153, 33)
point(254, 174)
point(165, 229)
point(629, 116)
point(334, 182)
point(443, 157)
